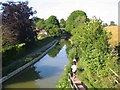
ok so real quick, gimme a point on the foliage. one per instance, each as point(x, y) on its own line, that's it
point(52, 26)
point(112, 23)
point(117, 51)
point(75, 18)
point(105, 24)
point(90, 45)
point(35, 19)
point(40, 24)
point(41, 36)
point(62, 23)
point(9, 36)
point(63, 82)
point(11, 46)
point(21, 50)
point(17, 27)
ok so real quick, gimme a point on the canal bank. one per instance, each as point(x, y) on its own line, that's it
point(50, 45)
point(45, 73)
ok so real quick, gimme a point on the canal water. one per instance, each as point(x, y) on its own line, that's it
point(43, 74)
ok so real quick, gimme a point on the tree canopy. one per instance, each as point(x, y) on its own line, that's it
point(62, 23)
point(16, 21)
point(52, 26)
point(40, 24)
point(112, 23)
point(90, 45)
point(75, 18)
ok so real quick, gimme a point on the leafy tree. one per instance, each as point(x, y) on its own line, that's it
point(112, 23)
point(52, 26)
point(9, 36)
point(74, 19)
point(62, 23)
point(40, 24)
point(90, 44)
point(35, 19)
point(16, 21)
point(105, 24)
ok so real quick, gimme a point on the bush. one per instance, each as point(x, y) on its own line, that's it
point(92, 48)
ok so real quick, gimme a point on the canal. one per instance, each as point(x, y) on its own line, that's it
point(43, 74)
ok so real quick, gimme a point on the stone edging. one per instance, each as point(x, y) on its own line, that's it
point(28, 64)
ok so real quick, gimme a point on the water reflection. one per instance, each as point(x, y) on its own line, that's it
point(55, 50)
point(43, 74)
point(23, 79)
point(50, 69)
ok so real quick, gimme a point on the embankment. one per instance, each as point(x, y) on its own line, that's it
point(51, 45)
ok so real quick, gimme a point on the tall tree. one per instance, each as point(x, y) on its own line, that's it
point(112, 23)
point(52, 26)
point(40, 24)
point(16, 20)
point(76, 18)
point(105, 24)
point(90, 45)
point(62, 23)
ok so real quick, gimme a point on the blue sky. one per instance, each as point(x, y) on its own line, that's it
point(107, 10)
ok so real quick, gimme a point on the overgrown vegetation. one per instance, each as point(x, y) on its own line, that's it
point(76, 18)
point(94, 54)
point(97, 65)
point(52, 26)
point(63, 82)
point(16, 23)
point(40, 24)
point(62, 23)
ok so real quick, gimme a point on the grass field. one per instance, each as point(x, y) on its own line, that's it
point(115, 38)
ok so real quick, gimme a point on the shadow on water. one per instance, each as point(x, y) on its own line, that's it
point(53, 52)
point(45, 72)
point(24, 76)
point(31, 74)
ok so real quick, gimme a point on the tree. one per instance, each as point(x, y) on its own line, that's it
point(105, 24)
point(62, 23)
point(16, 20)
point(40, 24)
point(90, 45)
point(112, 23)
point(9, 36)
point(52, 26)
point(35, 19)
point(76, 18)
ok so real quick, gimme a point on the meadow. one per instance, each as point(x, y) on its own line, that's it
point(115, 37)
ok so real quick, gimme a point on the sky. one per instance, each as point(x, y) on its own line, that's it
point(106, 10)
